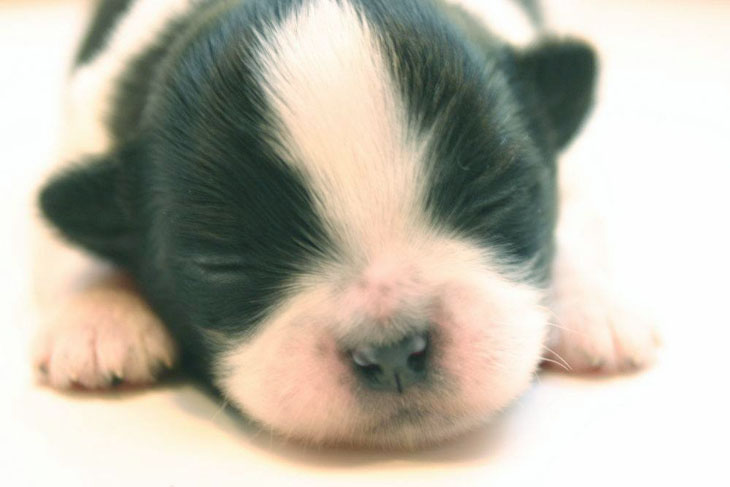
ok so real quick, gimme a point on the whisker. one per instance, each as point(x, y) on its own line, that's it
point(554, 324)
point(220, 409)
point(557, 355)
point(556, 363)
point(561, 327)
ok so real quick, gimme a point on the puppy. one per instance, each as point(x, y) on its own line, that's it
point(341, 214)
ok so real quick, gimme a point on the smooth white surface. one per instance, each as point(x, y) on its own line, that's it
point(657, 157)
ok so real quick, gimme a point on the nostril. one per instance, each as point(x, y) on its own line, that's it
point(363, 358)
point(365, 362)
point(417, 361)
point(371, 370)
point(417, 346)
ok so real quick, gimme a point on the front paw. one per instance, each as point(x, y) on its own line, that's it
point(100, 338)
point(595, 333)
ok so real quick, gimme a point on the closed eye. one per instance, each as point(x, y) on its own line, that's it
point(219, 269)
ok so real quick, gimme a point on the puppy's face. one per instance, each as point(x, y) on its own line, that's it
point(345, 226)
point(343, 234)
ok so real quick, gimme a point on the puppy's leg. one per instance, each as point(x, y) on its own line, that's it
point(595, 331)
point(96, 330)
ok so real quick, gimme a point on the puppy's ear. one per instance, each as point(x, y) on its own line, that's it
point(559, 77)
point(91, 204)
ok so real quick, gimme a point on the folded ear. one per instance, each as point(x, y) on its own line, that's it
point(559, 74)
point(90, 204)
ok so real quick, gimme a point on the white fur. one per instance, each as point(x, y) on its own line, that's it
point(91, 87)
point(505, 18)
point(344, 127)
point(104, 333)
point(596, 329)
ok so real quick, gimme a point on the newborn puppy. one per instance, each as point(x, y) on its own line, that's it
point(339, 213)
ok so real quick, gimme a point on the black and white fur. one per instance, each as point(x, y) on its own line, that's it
point(276, 183)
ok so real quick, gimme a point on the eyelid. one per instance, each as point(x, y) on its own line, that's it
point(218, 265)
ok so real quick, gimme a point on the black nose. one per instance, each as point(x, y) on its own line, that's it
point(392, 367)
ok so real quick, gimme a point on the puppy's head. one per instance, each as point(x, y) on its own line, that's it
point(344, 213)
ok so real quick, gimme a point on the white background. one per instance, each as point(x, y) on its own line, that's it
point(656, 156)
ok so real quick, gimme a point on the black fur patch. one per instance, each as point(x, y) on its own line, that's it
point(491, 177)
point(229, 224)
point(87, 204)
point(105, 16)
point(557, 78)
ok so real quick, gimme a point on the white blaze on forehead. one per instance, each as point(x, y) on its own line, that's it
point(344, 125)
point(505, 18)
point(91, 89)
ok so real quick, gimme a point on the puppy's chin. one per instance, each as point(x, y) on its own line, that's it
point(485, 332)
